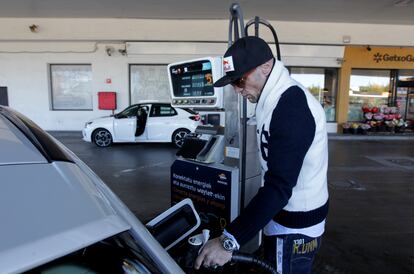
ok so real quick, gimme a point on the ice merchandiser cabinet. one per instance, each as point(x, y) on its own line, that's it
point(191, 83)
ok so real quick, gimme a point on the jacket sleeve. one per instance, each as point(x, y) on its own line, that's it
point(291, 133)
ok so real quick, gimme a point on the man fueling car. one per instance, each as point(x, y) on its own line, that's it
point(292, 205)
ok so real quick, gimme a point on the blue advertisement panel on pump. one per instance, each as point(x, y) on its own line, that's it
point(213, 190)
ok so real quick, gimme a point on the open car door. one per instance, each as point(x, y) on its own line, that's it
point(125, 124)
point(125, 129)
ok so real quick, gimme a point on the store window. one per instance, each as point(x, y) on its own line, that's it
point(71, 87)
point(322, 83)
point(367, 87)
point(149, 82)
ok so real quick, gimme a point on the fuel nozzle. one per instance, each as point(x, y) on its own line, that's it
point(195, 244)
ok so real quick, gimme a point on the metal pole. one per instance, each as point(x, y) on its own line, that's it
point(239, 31)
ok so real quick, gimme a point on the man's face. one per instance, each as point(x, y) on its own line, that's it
point(250, 85)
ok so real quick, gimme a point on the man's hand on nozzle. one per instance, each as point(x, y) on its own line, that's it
point(212, 255)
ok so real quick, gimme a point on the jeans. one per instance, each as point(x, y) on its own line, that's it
point(292, 253)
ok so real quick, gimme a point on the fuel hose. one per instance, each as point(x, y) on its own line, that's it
point(249, 259)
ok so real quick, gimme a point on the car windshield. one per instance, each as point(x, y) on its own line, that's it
point(190, 111)
point(128, 112)
point(118, 254)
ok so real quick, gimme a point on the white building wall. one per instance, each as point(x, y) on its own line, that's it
point(27, 79)
point(24, 56)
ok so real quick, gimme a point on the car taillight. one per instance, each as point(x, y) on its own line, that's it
point(195, 117)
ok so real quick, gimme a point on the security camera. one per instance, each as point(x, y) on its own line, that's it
point(34, 28)
point(369, 48)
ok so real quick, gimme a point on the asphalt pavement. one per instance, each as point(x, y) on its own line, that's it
point(370, 227)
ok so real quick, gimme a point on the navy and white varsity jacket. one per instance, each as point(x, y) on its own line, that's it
point(292, 138)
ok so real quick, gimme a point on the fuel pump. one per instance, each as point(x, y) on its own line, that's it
point(218, 167)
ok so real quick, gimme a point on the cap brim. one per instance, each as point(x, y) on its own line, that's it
point(224, 81)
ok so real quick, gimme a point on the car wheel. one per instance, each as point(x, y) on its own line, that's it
point(179, 136)
point(102, 138)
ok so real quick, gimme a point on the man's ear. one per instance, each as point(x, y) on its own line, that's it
point(266, 68)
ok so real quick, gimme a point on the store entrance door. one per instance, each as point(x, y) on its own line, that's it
point(405, 99)
point(409, 114)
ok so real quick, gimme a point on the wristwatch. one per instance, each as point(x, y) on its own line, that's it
point(228, 244)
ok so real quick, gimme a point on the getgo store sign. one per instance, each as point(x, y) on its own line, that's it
point(378, 57)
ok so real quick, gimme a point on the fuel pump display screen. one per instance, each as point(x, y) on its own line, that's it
point(192, 79)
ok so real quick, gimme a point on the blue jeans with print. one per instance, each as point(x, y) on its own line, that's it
point(292, 253)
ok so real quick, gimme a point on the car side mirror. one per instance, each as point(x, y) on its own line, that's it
point(174, 224)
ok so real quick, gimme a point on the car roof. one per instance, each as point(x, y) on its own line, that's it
point(15, 147)
point(152, 102)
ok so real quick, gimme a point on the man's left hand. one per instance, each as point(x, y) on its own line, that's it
point(212, 255)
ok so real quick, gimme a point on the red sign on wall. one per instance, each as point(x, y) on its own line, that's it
point(107, 100)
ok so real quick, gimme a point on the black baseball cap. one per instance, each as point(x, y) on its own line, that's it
point(244, 55)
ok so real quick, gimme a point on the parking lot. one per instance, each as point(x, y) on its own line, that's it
point(370, 227)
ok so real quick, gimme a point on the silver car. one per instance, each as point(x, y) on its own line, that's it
point(57, 215)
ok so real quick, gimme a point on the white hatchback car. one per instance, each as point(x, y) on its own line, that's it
point(57, 216)
point(144, 122)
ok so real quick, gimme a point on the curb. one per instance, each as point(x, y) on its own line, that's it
point(331, 136)
point(408, 137)
point(71, 133)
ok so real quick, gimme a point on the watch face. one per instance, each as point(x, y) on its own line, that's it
point(228, 244)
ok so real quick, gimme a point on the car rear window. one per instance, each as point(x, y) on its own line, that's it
point(162, 111)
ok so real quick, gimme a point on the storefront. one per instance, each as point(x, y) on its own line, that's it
point(380, 78)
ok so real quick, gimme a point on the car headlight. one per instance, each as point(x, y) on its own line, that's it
point(87, 124)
